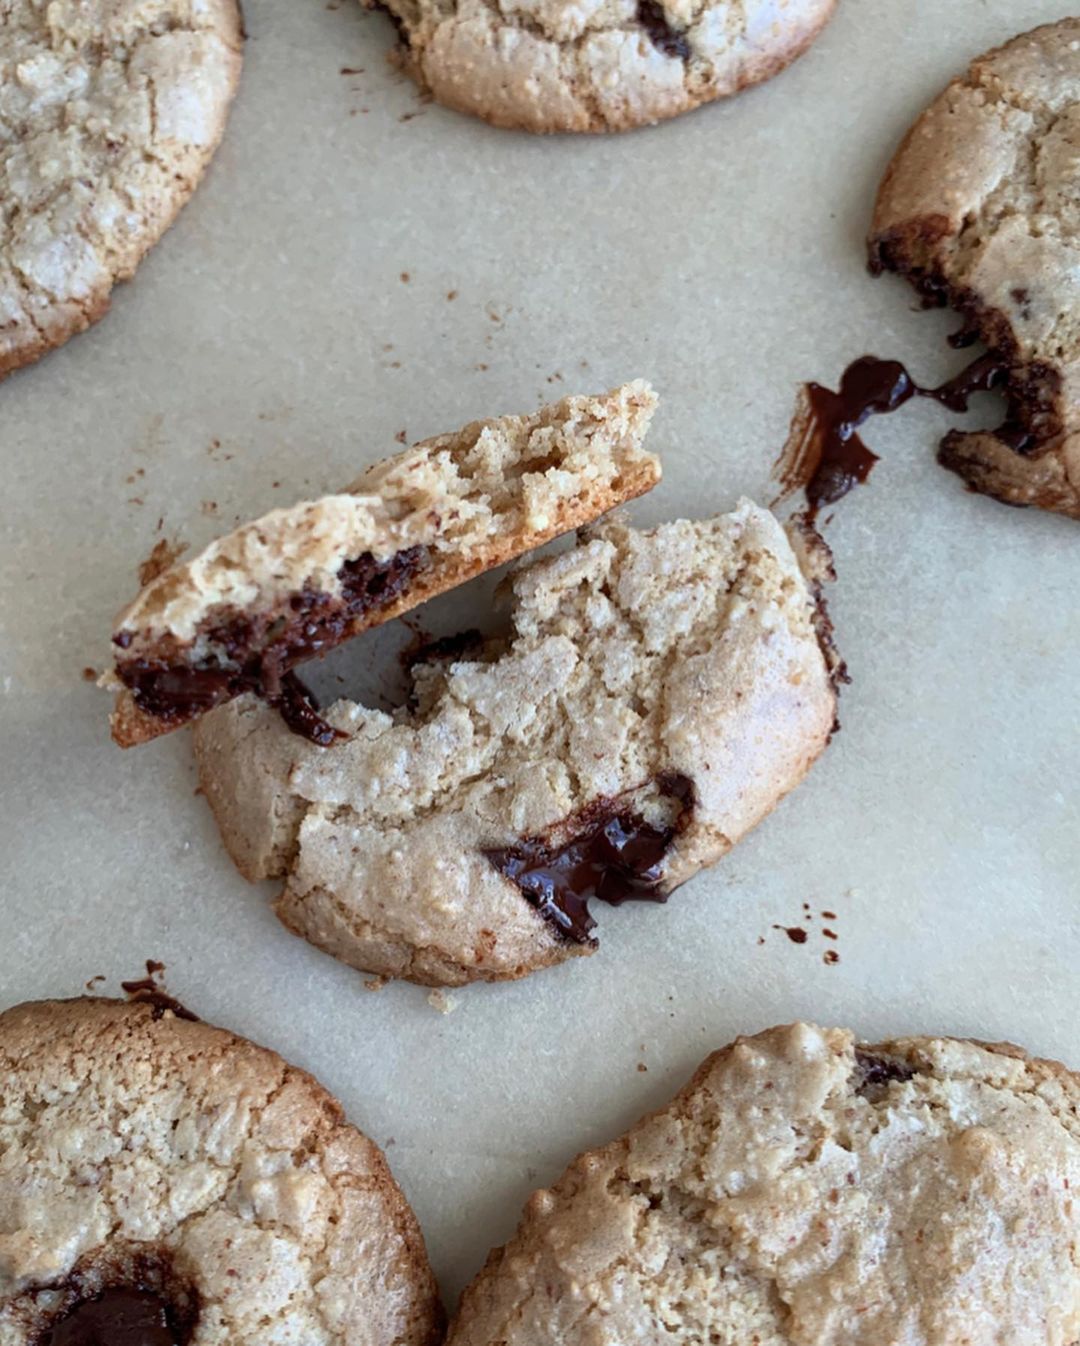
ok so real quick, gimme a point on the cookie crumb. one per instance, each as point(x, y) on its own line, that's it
point(439, 1000)
point(375, 983)
point(451, 295)
point(400, 437)
point(405, 278)
point(99, 977)
point(830, 957)
point(643, 1069)
point(89, 674)
point(795, 933)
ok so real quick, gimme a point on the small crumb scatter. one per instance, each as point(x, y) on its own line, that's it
point(439, 1000)
point(405, 278)
point(829, 934)
point(795, 933)
point(208, 506)
point(451, 295)
point(643, 1069)
point(89, 674)
point(164, 555)
point(482, 368)
point(374, 983)
point(828, 915)
point(400, 437)
point(352, 70)
point(831, 957)
point(94, 981)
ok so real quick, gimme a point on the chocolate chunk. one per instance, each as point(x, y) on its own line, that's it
point(260, 650)
point(613, 854)
point(123, 1317)
point(875, 1073)
point(661, 34)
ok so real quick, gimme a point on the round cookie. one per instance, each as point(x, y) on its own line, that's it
point(980, 209)
point(806, 1190)
point(607, 65)
point(109, 112)
point(167, 1178)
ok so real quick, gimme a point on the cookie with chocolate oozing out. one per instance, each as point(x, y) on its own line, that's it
point(557, 65)
point(659, 693)
point(111, 111)
point(807, 1190)
point(294, 584)
point(980, 209)
point(164, 1183)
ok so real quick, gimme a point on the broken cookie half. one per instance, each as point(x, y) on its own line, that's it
point(238, 617)
point(659, 693)
point(980, 210)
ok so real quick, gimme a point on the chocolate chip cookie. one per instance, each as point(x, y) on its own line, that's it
point(111, 110)
point(163, 1182)
point(807, 1190)
point(980, 209)
point(554, 65)
point(658, 695)
point(297, 582)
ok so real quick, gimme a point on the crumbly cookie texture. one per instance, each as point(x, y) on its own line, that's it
point(454, 505)
point(109, 112)
point(606, 65)
point(806, 1190)
point(637, 658)
point(140, 1148)
point(980, 208)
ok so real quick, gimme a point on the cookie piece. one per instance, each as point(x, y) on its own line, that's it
point(111, 111)
point(980, 210)
point(166, 1177)
point(554, 65)
point(299, 581)
point(807, 1190)
point(661, 691)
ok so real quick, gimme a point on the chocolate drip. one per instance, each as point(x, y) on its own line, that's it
point(661, 34)
point(117, 1318)
point(827, 456)
point(149, 990)
point(260, 651)
point(613, 854)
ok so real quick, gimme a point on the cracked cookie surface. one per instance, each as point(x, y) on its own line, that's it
point(149, 1163)
point(601, 65)
point(109, 112)
point(808, 1190)
point(658, 695)
point(980, 209)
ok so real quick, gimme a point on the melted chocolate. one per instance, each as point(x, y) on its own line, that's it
point(259, 652)
point(613, 855)
point(661, 34)
point(876, 1072)
point(123, 1317)
point(149, 991)
point(829, 458)
point(447, 649)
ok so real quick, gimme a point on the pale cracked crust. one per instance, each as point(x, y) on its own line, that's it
point(126, 1137)
point(777, 1202)
point(110, 111)
point(605, 65)
point(475, 499)
point(981, 205)
point(690, 649)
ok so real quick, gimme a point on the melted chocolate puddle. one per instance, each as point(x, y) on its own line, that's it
point(263, 650)
point(825, 454)
point(614, 855)
point(117, 1318)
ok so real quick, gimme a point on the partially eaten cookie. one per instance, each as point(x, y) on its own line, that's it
point(238, 617)
point(980, 210)
point(659, 693)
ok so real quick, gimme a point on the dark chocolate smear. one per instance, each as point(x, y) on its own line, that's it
point(148, 990)
point(123, 1317)
point(874, 1073)
point(659, 31)
point(613, 855)
point(259, 653)
point(826, 455)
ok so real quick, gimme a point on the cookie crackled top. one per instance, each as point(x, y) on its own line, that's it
point(109, 113)
point(162, 1175)
point(806, 1189)
point(601, 65)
